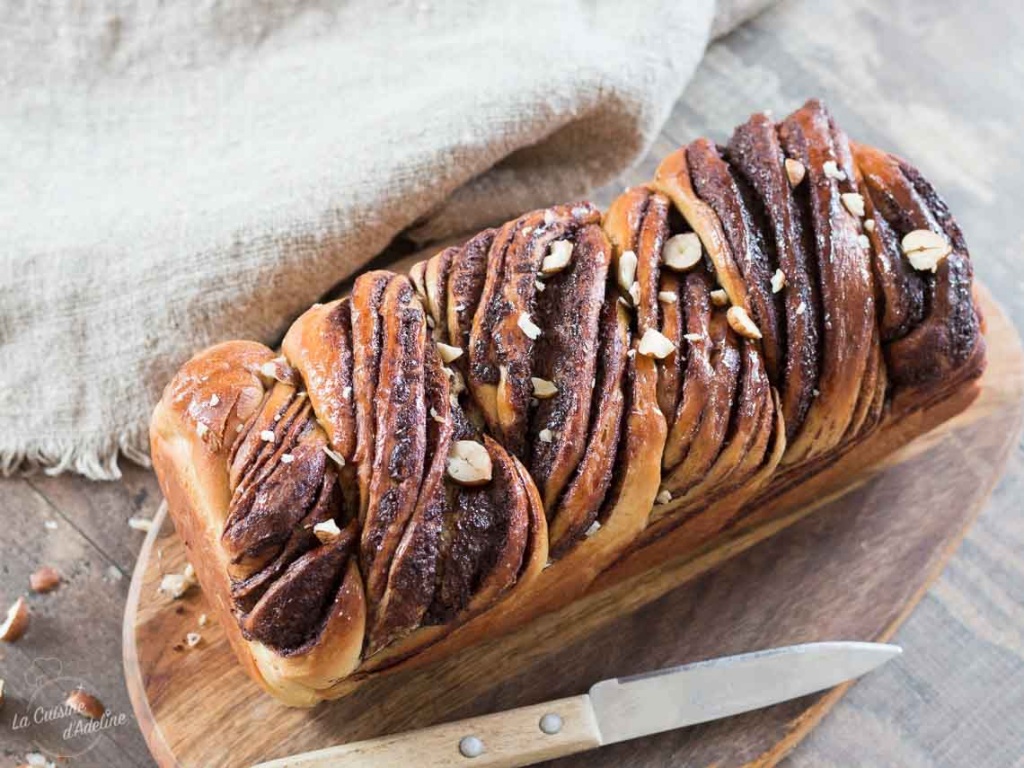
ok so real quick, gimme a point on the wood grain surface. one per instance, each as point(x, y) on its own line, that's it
point(936, 81)
point(850, 568)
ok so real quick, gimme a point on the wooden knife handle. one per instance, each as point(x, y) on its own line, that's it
point(503, 740)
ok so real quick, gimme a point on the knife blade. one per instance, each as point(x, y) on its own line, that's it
point(629, 707)
point(614, 710)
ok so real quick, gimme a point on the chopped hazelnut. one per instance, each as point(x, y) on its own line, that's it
point(543, 389)
point(655, 344)
point(16, 623)
point(140, 524)
point(854, 203)
point(778, 281)
point(558, 258)
point(831, 171)
point(925, 249)
point(795, 171)
point(627, 270)
point(327, 531)
point(682, 252)
point(449, 353)
point(85, 704)
point(634, 294)
point(46, 579)
point(336, 457)
point(527, 326)
point(740, 322)
point(469, 463)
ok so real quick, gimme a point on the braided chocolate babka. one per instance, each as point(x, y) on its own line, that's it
point(439, 457)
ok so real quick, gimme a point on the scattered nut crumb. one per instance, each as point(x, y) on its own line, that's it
point(16, 623)
point(545, 435)
point(863, 242)
point(558, 258)
point(336, 457)
point(192, 639)
point(469, 463)
point(795, 171)
point(719, 297)
point(626, 273)
point(740, 322)
point(594, 528)
point(50, 525)
point(37, 760)
point(682, 252)
point(778, 281)
point(46, 579)
point(549, 217)
point(869, 225)
point(202, 620)
point(176, 585)
point(527, 326)
point(539, 286)
point(140, 523)
point(448, 353)
point(693, 338)
point(831, 171)
point(664, 496)
point(214, 400)
point(202, 430)
point(327, 531)
point(801, 308)
point(435, 415)
point(267, 436)
point(85, 704)
point(668, 297)
point(854, 203)
point(655, 344)
point(287, 458)
point(925, 249)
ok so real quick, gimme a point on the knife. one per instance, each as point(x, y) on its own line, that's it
point(614, 710)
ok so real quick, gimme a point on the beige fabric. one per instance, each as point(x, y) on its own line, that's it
point(180, 173)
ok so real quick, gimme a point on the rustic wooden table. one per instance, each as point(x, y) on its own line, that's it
point(936, 81)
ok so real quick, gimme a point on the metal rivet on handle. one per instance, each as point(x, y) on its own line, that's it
point(471, 746)
point(551, 724)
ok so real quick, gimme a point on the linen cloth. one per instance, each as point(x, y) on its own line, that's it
point(180, 173)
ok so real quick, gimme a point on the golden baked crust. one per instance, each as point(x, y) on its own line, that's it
point(437, 459)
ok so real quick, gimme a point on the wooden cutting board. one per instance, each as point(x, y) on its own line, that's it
point(853, 570)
